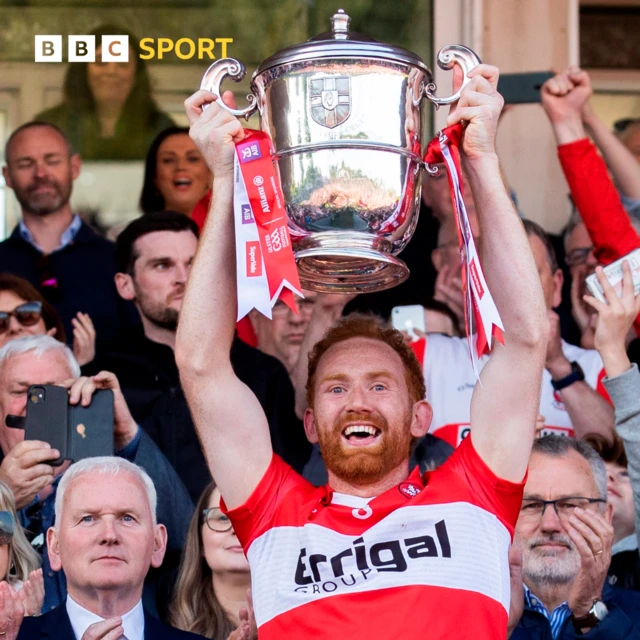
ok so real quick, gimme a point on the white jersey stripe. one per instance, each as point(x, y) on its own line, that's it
point(455, 545)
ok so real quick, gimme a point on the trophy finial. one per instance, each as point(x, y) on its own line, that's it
point(340, 23)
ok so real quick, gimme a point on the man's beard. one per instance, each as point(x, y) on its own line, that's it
point(368, 464)
point(549, 566)
point(44, 204)
point(161, 315)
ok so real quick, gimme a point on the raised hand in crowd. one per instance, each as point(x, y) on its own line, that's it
point(110, 629)
point(81, 389)
point(25, 471)
point(563, 98)
point(11, 612)
point(615, 318)
point(592, 534)
point(32, 593)
point(84, 338)
point(248, 629)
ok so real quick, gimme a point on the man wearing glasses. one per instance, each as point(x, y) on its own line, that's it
point(564, 534)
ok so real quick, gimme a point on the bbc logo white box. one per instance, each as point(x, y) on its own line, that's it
point(115, 49)
point(82, 49)
point(48, 48)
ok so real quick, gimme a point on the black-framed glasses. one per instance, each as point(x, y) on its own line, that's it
point(7, 527)
point(26, 314)
point(564, 507)
point(216, 520)
point(578, 256)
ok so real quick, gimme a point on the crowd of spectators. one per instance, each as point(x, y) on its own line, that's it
point(153, 541)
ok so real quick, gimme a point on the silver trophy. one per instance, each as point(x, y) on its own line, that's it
point(344, 113)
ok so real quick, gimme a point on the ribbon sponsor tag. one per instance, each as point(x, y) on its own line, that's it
point(478, 302)
point(265, 266)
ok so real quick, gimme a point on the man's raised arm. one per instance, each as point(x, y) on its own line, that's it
point(229, 419)
point(505, 405)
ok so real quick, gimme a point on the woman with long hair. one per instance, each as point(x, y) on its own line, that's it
point(214, 578)
point(176, 176)
point(23, 311)
point(108, 111)
point(19, 562)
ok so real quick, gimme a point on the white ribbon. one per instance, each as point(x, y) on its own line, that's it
point(477, 291)
point(252, 285)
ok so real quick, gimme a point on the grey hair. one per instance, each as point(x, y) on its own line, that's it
point(105, 465)
point(557, 446)
point(38, 345)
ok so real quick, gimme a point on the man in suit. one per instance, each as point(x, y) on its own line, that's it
point(106, 537)
point(24, 464)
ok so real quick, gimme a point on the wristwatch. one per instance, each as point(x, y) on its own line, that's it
point(597, 614)
point(576, 375)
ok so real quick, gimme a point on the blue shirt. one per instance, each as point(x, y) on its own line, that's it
point(67, 237)
point(38, 517)
point(556, 618)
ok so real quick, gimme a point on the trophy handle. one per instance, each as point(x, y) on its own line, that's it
point(449, 56)
point(216, 73)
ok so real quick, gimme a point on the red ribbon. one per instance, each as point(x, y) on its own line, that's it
point(452, 137)
point(264, 190)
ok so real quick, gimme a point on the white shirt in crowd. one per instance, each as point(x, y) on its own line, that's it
point(450, 381)
point(81, 620)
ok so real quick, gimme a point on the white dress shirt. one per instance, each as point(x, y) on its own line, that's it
point(81, 620)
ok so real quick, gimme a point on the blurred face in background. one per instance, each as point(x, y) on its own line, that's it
point(40, 170)
point(182, 176)
point(579, 255)
point(282, 336)
point(620, 496)
point(631, 139)
point(111, 82)
point(222, 550)
point(17, 374)
point(12, 303)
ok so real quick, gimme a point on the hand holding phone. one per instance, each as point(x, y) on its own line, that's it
point(76, 430)
point(81, 391)
point(407, 318)
point(27, 469)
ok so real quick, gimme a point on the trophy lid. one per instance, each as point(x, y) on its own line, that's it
point(341, 43)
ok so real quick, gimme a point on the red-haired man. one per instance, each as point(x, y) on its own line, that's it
point(377, 553)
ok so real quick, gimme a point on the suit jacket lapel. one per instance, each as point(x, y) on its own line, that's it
point(56, 623)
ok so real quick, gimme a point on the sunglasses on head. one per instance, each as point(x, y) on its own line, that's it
point(7, 527)
point(26, 314)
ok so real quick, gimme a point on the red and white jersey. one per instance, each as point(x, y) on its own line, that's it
point(450, 381)
point(426, 559)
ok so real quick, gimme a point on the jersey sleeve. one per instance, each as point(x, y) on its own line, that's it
point(496, 495)
point(257, 514)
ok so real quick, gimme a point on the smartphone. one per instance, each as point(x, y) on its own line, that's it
point(522, 88)
point(77, 432)
point(407, 318)
point(47, 418)
point(613, 273)
point(90, 428)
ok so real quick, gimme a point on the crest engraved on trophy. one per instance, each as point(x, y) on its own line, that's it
point(330, 100)
point(344, 114)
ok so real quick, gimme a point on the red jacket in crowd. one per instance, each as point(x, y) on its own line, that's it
point(598, 202)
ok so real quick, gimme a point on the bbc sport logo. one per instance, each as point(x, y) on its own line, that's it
point(49, 48)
